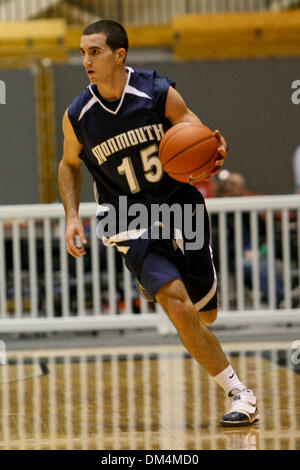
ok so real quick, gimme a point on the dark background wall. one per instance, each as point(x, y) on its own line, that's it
point(248, 100)
point(18, 152)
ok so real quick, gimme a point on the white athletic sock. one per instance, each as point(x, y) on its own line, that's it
point(228, 380)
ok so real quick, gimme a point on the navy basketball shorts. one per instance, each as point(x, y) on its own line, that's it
point(165, 262)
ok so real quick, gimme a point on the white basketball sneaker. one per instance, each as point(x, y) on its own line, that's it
point(243, 410)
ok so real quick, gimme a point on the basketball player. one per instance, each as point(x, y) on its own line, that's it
point(114, 126)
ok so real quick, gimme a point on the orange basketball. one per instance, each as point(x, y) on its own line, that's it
point(188, 152)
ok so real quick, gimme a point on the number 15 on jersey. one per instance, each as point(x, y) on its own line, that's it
point(152, 167)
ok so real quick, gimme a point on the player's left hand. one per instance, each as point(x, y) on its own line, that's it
point(222, 153)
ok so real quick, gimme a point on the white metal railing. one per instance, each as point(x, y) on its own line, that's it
point(277, 5)
point(275, 258)
point(129, 11)
point(43, 288)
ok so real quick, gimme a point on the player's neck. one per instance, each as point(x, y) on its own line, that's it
point(113, 88)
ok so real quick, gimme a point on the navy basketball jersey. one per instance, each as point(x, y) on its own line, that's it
point(121, 138)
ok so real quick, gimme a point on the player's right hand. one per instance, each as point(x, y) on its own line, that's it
point(74, 228)
point(222, 153)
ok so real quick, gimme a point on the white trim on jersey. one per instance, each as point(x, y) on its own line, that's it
point(121, 100)
point(127, 89)
point(120, 237)
point(134, 91)
point(89, 104)
point(204, 301)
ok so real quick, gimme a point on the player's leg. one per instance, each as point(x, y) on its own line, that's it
point(206, 349)
point(196, 337)
point(161, 280)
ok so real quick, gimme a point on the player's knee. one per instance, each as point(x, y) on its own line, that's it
point(173, 305)
point(208, 317)
point(176, 303)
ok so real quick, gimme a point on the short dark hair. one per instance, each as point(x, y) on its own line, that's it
point(116, 36)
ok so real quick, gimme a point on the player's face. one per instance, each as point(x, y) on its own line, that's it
point(98, 58)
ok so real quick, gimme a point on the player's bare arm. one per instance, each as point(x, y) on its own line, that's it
point(69, 178)
point(177, 111)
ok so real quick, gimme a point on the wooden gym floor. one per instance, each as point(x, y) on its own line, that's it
point(151, 397)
